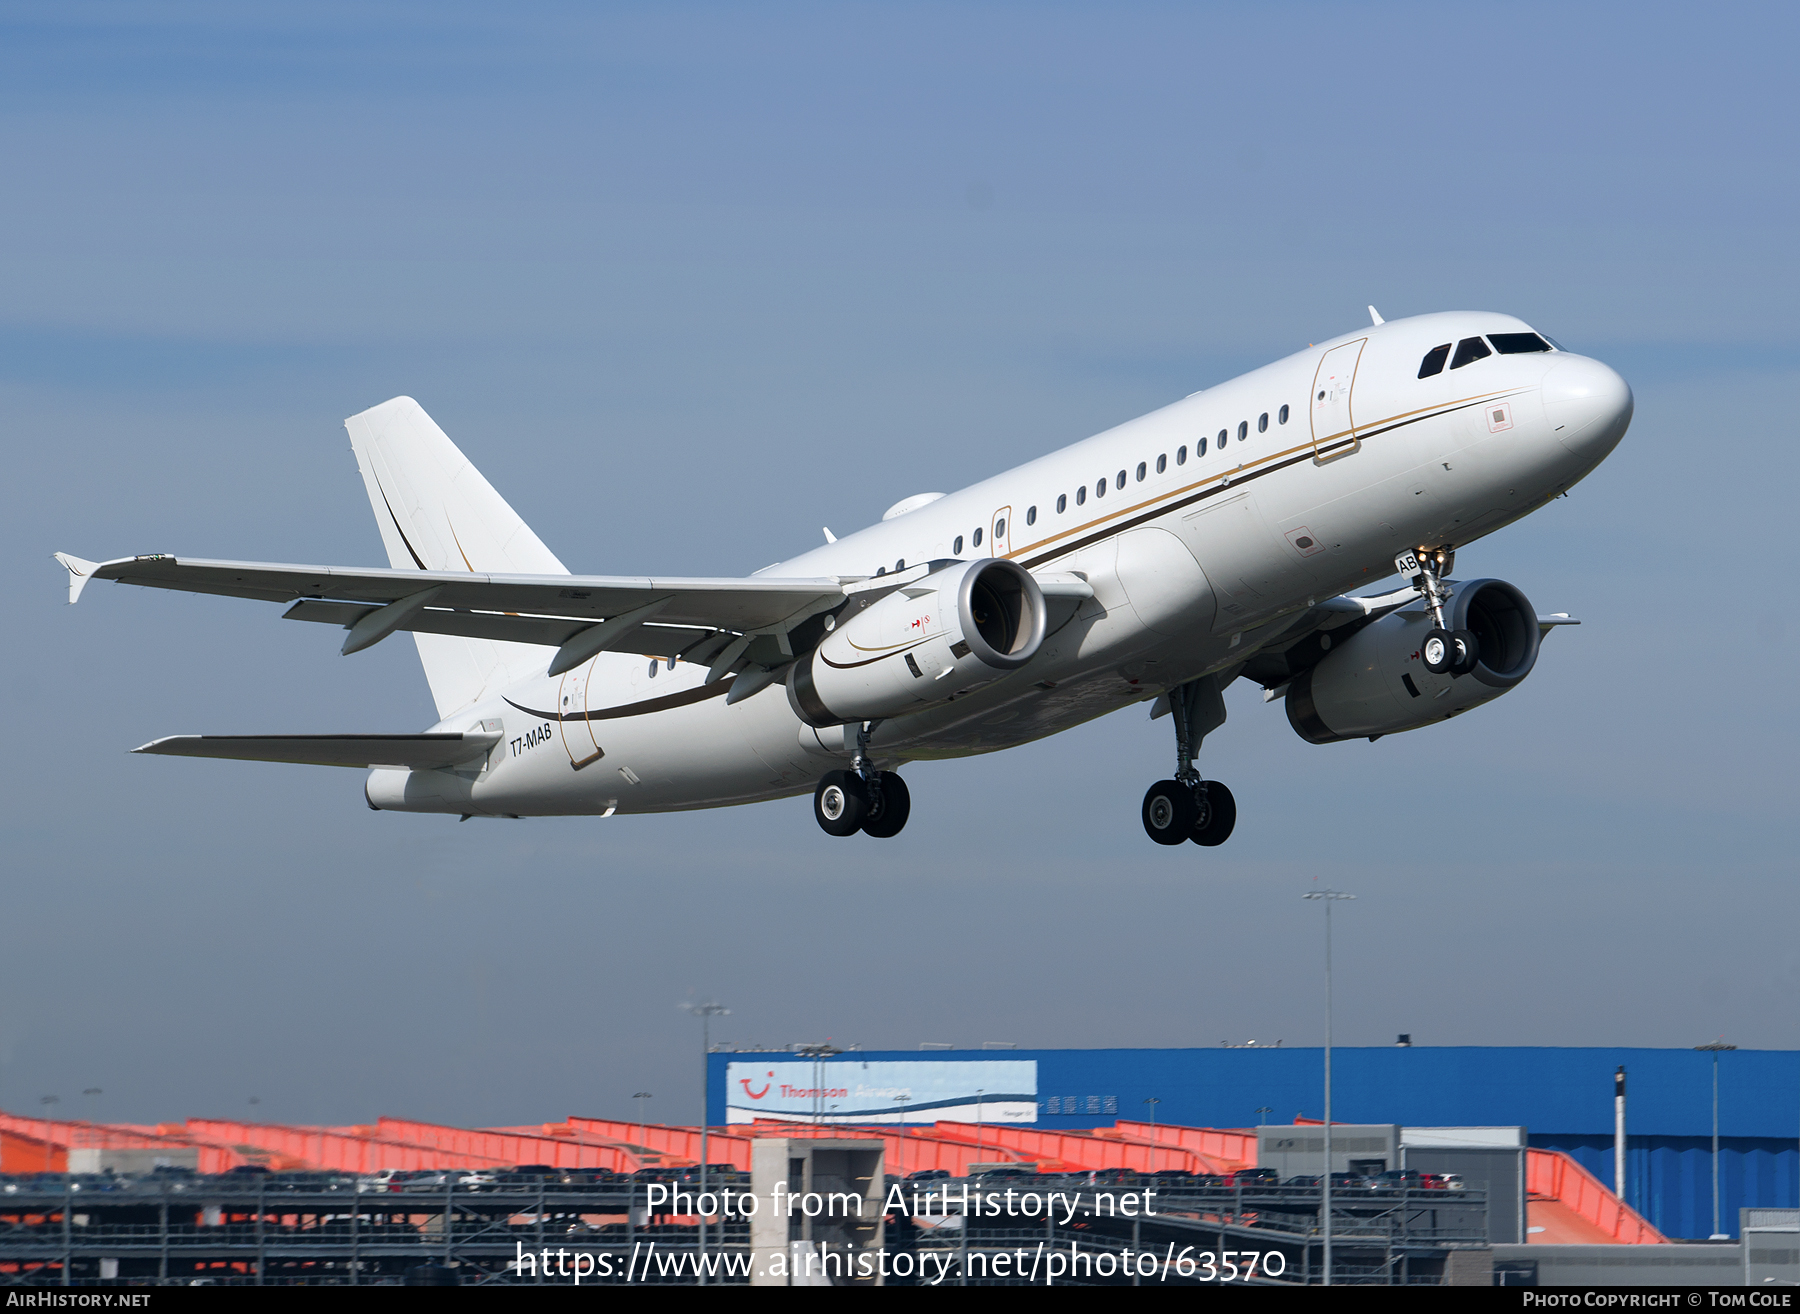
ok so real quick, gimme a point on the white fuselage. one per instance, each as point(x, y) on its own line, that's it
point(1198, 551)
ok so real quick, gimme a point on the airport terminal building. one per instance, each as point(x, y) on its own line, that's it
point(1562, 1098)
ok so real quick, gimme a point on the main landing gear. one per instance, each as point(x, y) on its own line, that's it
point(875, 802)
point(1187, 807)
point(1445, 651)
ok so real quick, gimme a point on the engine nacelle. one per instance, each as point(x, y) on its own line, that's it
point(954, 630)
point(1375, 682)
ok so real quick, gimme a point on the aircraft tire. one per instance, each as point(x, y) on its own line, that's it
point(1169, 812)
point(1217, 816)
point(1438, 652)
point(1468, 651)
point(889, 819)
point(840, 803)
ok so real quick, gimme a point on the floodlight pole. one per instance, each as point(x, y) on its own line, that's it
point(1619, 1133)
point(1714, 1050)
point(706, 1013)
point(1327, 897)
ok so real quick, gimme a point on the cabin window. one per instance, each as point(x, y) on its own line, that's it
point(977, 538)
point(653, 665)
point(1243, 430)
point(1200, 448)
point(1223, 435)
point(1120, 478)
point(1100, 488)
point(1181, 453)
point(1000, 528)
point(1031, 515)
point(900, 565)
point(1434, 361)
point(1162, 463)
point(1468, 351)
point(1281, 416)
point(1512, 344)
point(1081, 495)
point(956, 547)
point(1142, 470)
point(880, 571)
point(1062, 503)
point(1262, 422)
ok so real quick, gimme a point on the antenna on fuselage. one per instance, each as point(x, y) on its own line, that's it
point(1375, 315)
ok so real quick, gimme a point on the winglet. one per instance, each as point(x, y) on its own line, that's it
point(1376, 316)
point(80, 572)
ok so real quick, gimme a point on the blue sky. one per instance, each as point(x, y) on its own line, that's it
point(688, 282)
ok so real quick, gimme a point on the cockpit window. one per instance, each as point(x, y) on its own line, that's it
point(1469, 349)
point(1513, 344)
point(1434, 361)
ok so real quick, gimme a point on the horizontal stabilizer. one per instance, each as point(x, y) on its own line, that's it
point(417, 751)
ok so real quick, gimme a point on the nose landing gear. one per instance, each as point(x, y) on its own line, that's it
point(1445, 651)
point(1188, 807)
point(875, 802)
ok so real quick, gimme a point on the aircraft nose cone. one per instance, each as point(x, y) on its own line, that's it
point(1587, 404)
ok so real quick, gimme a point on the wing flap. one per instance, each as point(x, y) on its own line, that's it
point(417, 751)
point(546, 631)
point(735, 604)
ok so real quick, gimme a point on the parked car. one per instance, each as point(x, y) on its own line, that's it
point(430, 1179)
point(1254, 1177)
point(1111, 1176)
point(928, 1175)
point(1399, 1179)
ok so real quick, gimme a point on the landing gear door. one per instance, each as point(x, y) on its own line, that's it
point(1333, 415)
point(577, 730)
point(1000, 533)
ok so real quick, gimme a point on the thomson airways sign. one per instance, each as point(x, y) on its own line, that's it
point(849, 1089)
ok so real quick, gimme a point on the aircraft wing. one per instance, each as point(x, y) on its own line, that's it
point(420, 751)
point(579, 614)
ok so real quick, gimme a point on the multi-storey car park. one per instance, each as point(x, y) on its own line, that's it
point(1135, 1201)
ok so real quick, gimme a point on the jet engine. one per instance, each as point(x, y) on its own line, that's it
point(952, 631)
point(1375, 683)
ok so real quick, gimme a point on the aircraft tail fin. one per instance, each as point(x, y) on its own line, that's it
point(437, 512)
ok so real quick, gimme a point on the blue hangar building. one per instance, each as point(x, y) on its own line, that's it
point(1562, 1097)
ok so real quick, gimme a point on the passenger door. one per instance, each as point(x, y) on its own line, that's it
point(1333, 415)
point(1000, 533)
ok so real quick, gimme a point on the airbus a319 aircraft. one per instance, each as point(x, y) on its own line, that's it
point(1221, 537)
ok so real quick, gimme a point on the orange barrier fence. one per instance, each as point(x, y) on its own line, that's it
point(30, 1154)
point(87, 1135)
point(319, 1148)
point(1552, 1174)
point(1230, 1149)
point(673, 1144)
point(510, 1147)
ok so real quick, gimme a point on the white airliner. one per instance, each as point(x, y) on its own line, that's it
point(1220, 537)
